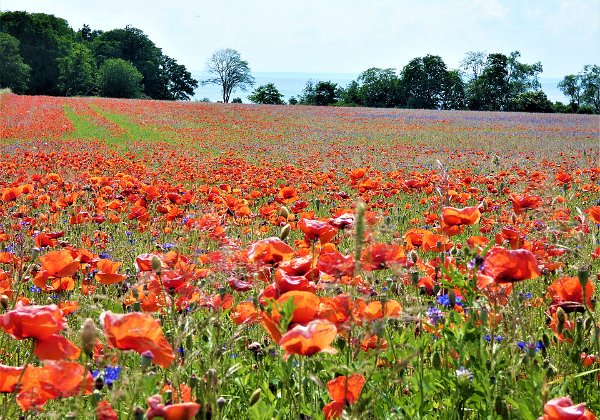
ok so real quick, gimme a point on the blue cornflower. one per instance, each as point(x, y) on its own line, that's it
point(464, 375)
point(35, 289)
point(498, 338)
point(435, 315)
point(111, 374)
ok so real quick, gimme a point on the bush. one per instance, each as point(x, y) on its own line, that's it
point(118, 78)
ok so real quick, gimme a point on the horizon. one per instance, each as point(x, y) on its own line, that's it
point(348, 37)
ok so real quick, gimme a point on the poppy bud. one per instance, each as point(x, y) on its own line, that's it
point(414, 257)
point(583, 275)
point(137, 307)
point(255, 397)
point(546, 340)
point(71, 416)
point(318, 204)
point(211, 376)
point(147, 357)
point(415, 278)
point(285, 231)
point(193, 381)
point(138, 413)
point(284, 212)
point(89, 336)
point(359, 224)
point(221, 402)
point(436, 360)
point(451, 298)
point(561, 317)
point(484, 205)
point(4, 302)
point(156, 265)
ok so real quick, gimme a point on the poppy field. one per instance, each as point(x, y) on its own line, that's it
point(194, 260)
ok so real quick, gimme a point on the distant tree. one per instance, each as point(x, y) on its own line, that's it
point(229, 71)
point(590, 84)
point(180, 83)
point(350, 95)
point(320, 93)
point(266, 94)
point(88, 34)
point(522, 77)
point(236, 100)
point(532, 101)
point(77, 71)
point(118, 78)
point(502, 79)
point(43, 39)
point(454, 91)
point(571, 87)
point(293, 101)
point(490, 91)
point(473, 63)
point(14, 73)
point(425, 81)
point(378, 88)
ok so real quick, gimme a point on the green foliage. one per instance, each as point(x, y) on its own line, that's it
point(378, 88)
point(425, 81)
point(320, 93)
point(63, 61)
point(43, 39)
point(229, 71)
point(14, 73)
point(77, 71)
point(535, 101)
point(118, 78)
point(266, 94)
point(590, 84)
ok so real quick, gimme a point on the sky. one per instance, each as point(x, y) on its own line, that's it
point(348, 36)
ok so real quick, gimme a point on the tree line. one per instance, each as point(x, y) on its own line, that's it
point(42, 55)
point(486, 82)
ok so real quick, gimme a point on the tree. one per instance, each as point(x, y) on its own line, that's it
point(118, 78)
point(490, 91)
point(266, 94)
point(77, 71)
point(454, 92)
point(14, 73)
point(522, 77)
point(378, 88)
point(180, 83)
point(473, 63)
point(425, 81)
point(570, 86)
point(321, 93)
point(229, 71)
point(590, 84)
point(533, 101)
point(43, 39)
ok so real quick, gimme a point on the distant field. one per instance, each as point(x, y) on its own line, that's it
point(303, 262)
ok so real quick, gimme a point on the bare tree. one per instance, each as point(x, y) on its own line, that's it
point(229, 71)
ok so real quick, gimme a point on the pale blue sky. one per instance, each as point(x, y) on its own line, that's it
point(348, 36)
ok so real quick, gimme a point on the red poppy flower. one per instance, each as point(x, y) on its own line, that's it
point(286, 283)
point(107, 272)
point(562, 408)
point(180, 411)
point(455, 217)
point(505, 265)
point(307, 340)
point(9, 377)
point(244, 313)
point(379, 256)
point(56, 347)
point(270, 251)
point(316, 229)
point(523, 203)
point(567, 293)
point(343, 390)
point(33, 321)
point(139, 332)
point(336, 264)
point(56, 379)
point(433, 242)
point(306, 305)
point(62, 263)
point(594, 214)
point(104, 411)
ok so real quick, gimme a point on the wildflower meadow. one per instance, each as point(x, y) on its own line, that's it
point(228, 261)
